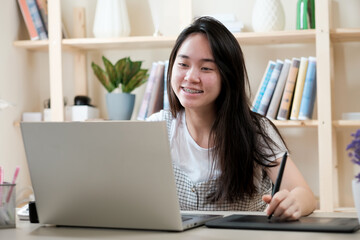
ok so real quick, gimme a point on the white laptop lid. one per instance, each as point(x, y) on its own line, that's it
point(102, 174)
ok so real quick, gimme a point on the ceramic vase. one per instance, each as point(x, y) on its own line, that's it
point(156, 10)
point(111, 19)
point(120, 106)
point(268, 15)
point(356, 194)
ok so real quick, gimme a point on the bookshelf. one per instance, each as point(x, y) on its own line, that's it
point(323, 37)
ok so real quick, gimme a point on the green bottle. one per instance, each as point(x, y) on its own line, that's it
point(305, 18)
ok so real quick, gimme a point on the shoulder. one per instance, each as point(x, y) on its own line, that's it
point(163, 115)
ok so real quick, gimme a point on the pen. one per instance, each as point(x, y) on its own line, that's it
point(13, 182)
point(279, 178)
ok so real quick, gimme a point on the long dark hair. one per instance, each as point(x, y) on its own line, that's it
point(238, 135)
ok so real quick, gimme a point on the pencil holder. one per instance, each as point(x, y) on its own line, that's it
point(7, 205)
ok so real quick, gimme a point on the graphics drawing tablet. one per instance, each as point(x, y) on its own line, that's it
point(311, 224)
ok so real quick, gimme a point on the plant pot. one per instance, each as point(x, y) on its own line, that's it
point(268, 15)
point(120, 105)
point(356, 194)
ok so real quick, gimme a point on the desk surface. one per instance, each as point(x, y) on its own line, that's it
point(28, 231)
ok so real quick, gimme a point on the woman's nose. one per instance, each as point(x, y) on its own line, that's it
point(192, 75)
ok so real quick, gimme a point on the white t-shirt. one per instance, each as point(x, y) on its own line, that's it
point(189, 156)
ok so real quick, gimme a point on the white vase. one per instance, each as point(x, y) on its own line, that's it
point(356, 194)
point(111, 19)
point(268, 15)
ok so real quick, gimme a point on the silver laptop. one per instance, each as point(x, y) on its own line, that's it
point(104, 174)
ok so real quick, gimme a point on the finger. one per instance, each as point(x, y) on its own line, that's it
point(296, 215)
point(266, 198)
point(285, 208)
point(275, 201)
point(287, 214)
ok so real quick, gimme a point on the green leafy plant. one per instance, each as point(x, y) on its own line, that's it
point(125, 74)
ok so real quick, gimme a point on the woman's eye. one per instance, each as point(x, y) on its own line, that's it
point(182, 64)
point(206, 69)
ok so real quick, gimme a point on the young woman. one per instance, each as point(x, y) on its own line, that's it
point(225, 156)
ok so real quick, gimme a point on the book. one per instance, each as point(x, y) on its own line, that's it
point(309, 92)
point(264, 81)
point(157, 94)
point(147, 94)
point(299, 87)
point(28, 20)
point(265, 100)
point(286, 99)
point(36, 18)
point(166, 97)
point(275, 100)
point(43, 10)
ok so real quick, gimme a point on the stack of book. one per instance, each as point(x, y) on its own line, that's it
point(155, 97)
point(287, 89)
point(35, 16)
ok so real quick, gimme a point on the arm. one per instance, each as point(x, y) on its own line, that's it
point(295, 198)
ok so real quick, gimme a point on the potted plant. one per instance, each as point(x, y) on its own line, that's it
point(125, 75)
point(354, 153)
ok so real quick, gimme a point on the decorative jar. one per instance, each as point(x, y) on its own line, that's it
point(268, 15)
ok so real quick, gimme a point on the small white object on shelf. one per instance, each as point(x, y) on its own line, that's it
point(32, 117)
point(351, 116)
point(81, 113)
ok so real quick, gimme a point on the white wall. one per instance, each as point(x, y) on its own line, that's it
point(26, 74)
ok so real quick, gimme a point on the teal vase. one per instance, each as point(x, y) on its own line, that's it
point(120, 106)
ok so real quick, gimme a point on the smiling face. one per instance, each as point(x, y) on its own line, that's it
point(195, 77)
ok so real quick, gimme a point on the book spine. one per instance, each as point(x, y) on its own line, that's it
point(157, 94)
point(264, 82)
point(258, 90)
point(265, 101)
point(275, 100)
point(299, 87)
point(166, 97)
point(285, 103)
point(147, 94)
point(42, 6)
point(28, 20)
point(309, 92)
point(35, 15)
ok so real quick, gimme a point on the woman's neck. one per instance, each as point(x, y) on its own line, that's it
point(199, 124)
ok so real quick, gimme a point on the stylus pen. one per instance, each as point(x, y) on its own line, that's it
point(279, 178)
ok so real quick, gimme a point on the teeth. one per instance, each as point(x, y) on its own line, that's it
point(192, 91)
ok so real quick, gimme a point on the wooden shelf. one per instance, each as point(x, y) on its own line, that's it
point(346, 123)
point(146, 42)
point(345, 35)
point(38, 45)
point(295, 123)
point(276, 37)
point(150, 42)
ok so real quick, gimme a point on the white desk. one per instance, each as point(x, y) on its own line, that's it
point(27, 231)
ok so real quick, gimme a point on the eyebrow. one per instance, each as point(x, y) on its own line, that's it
point(203, 59)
